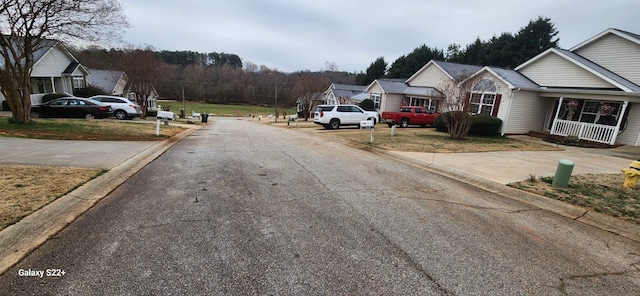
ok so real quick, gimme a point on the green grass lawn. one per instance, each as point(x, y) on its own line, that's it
point(222, 110)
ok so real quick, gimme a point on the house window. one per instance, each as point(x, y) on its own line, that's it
point(331, 99)
point(38, 86)
point(591, 112)
point(78, 82)
point(375, 97)
point(483, 97)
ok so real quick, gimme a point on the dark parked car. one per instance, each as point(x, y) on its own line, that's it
point(72, 107)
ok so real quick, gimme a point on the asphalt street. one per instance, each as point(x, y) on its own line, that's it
point(242, 208)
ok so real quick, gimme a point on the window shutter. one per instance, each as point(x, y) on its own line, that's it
point(467, 102)
point(496, 105)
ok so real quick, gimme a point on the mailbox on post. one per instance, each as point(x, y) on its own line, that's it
point(370, 125)
point(165, 115)
point(367, 124)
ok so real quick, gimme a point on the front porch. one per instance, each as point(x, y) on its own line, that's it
point(585, 131)
point(590, 120)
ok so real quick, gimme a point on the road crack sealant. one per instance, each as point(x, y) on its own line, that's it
point(565, 280)
point(402, 253)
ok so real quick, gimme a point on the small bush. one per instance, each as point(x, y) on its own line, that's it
point(485, 125)
point(439, 124)
point(368, 105)
point(49, 97)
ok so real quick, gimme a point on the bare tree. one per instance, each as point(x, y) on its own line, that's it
point(144, 71)
point(307, 88)
point(28, 25)
point(455, 108)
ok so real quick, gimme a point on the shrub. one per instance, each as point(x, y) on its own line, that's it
point(49, 97)
point(485, 125)
point(368, 105)
point(440, 124)
point(482, 125)
point(88, 91)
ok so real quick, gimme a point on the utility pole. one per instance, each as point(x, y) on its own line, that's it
point(184, 105)
point(276, 99)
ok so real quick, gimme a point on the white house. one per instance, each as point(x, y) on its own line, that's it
point(55, 70)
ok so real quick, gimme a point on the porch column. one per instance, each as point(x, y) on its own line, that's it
point(53, 85)
point(620, 115)
point(553, 126)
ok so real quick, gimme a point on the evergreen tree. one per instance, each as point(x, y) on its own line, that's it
point(405, 66)
point(376, 70)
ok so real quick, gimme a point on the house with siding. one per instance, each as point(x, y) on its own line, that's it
point(112, 82)
point(391, 94)
point(55, 70)
point(344, 94)
point(591, 91)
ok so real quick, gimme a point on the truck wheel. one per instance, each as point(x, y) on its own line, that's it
point(334, 123)
point(404, 122)
point(326, 126)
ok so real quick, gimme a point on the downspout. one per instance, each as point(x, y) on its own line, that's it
point(506, 118)
point(620, 117)
point(553, 126)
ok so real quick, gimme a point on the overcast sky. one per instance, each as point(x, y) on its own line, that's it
point(293, 35)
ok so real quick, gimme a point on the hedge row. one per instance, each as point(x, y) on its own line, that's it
point(482, 125)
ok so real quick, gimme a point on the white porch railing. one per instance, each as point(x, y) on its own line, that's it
point(585, 131)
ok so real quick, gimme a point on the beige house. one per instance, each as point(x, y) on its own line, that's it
point(591, 91)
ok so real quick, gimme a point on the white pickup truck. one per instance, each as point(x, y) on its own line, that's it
point(334, 116)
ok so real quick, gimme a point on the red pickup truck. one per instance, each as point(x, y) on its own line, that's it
point(410, 115)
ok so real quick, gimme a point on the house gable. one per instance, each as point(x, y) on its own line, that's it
point(550, 69)
point(113, 82)
point(429, 75)
point(55, 61)
point(615, 50)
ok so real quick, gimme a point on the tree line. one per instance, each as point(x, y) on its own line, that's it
point(220, 78)
point(506, 50)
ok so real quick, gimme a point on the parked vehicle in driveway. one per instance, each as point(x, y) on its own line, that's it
point(123, 108)
point(410, 115)
point(334, 116)
point(69, 107)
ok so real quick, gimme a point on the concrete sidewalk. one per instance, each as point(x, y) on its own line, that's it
point(511, 166)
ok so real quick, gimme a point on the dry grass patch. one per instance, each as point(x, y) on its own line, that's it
point(602, 193)
point(429, 140)
point(26, 189)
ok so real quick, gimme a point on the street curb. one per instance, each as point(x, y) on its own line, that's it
point(20, 239)
point(576, 213)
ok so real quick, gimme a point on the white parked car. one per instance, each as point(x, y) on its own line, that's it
point(334, 116)
point(122, 108)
